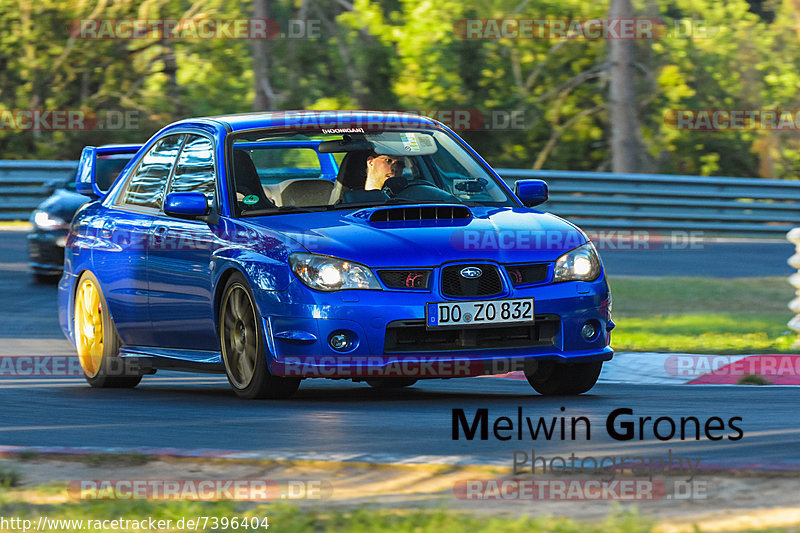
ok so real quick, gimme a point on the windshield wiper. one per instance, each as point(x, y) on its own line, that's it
point(354, 205)
point(284, 210)
point(400, 201)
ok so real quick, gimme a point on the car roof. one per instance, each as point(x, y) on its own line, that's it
point(256, 120)
point(121, 146)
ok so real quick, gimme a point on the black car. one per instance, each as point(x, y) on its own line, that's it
point(52, 217)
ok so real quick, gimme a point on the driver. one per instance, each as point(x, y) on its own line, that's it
point(380, 168)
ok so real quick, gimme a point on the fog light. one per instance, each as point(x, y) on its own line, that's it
point(339, 342)
point(588, 331)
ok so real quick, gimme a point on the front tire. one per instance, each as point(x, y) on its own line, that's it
point(564, 379)
point(391, 383)
point(97, 341)
point(242, 342)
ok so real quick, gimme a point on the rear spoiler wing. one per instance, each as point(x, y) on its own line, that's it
point(86, 179)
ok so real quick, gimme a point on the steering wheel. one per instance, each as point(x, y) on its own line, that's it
point(425, 192)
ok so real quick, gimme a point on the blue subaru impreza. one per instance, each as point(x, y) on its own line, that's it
point(370, 246)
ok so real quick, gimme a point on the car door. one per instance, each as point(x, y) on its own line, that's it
point(120, 256)
point(179, 258)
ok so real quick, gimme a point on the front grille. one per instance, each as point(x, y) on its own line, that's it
point(430, 212)
point(527, 274)
point(454, 284)
point(413, 336)
point(405, 279)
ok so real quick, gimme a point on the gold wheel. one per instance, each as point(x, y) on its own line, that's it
point(239, 337)
point(89, 327)
point(242, 342)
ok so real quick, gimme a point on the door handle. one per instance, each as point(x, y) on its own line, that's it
point(107, 229)
point(158, 234)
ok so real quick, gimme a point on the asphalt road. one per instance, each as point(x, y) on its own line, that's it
point(343, 419)
point(340, 419)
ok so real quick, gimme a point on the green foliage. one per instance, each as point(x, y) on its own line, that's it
point(410, 54)
point(9, 477)
point(28, 455)
point(753, 379)
point(289, 518)
point(702, 315)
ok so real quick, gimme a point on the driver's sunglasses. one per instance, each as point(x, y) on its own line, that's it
point(392, 161)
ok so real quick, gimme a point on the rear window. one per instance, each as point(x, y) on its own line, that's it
point(108, 169)
point(277, 164)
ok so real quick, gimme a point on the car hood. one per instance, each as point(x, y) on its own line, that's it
point(63, 204)
point(504, 234)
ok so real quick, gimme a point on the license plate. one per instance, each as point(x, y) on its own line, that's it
point(442, 314)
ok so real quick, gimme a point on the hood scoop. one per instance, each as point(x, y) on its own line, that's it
point(421, 212)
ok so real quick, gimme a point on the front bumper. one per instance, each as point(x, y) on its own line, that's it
point(46, 251)
point(298, 324)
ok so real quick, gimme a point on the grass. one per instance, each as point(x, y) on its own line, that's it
point(288, 518)
point(702, 315)
point(9, 477)
point(28, 455)
point(15, 224)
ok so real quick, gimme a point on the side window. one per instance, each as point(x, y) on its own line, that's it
point(195, 169)
point(147, 184)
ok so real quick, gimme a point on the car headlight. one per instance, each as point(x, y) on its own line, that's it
point(326, 273)
point(580, 264)
point(44, 220)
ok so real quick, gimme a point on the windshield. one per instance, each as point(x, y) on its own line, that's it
point(291, 171)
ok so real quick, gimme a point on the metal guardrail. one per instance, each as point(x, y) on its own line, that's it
point(23, 184)
point(594, 200)
point(604, 200)
point(794, 280)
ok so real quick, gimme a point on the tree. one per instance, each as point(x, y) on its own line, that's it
point(626, 146)
point(265, 98)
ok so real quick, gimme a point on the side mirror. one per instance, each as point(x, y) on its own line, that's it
point(531, 192)
point(186, 205)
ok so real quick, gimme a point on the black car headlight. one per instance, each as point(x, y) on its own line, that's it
point(580, 264)
point(326, 273)
point(45, 220)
